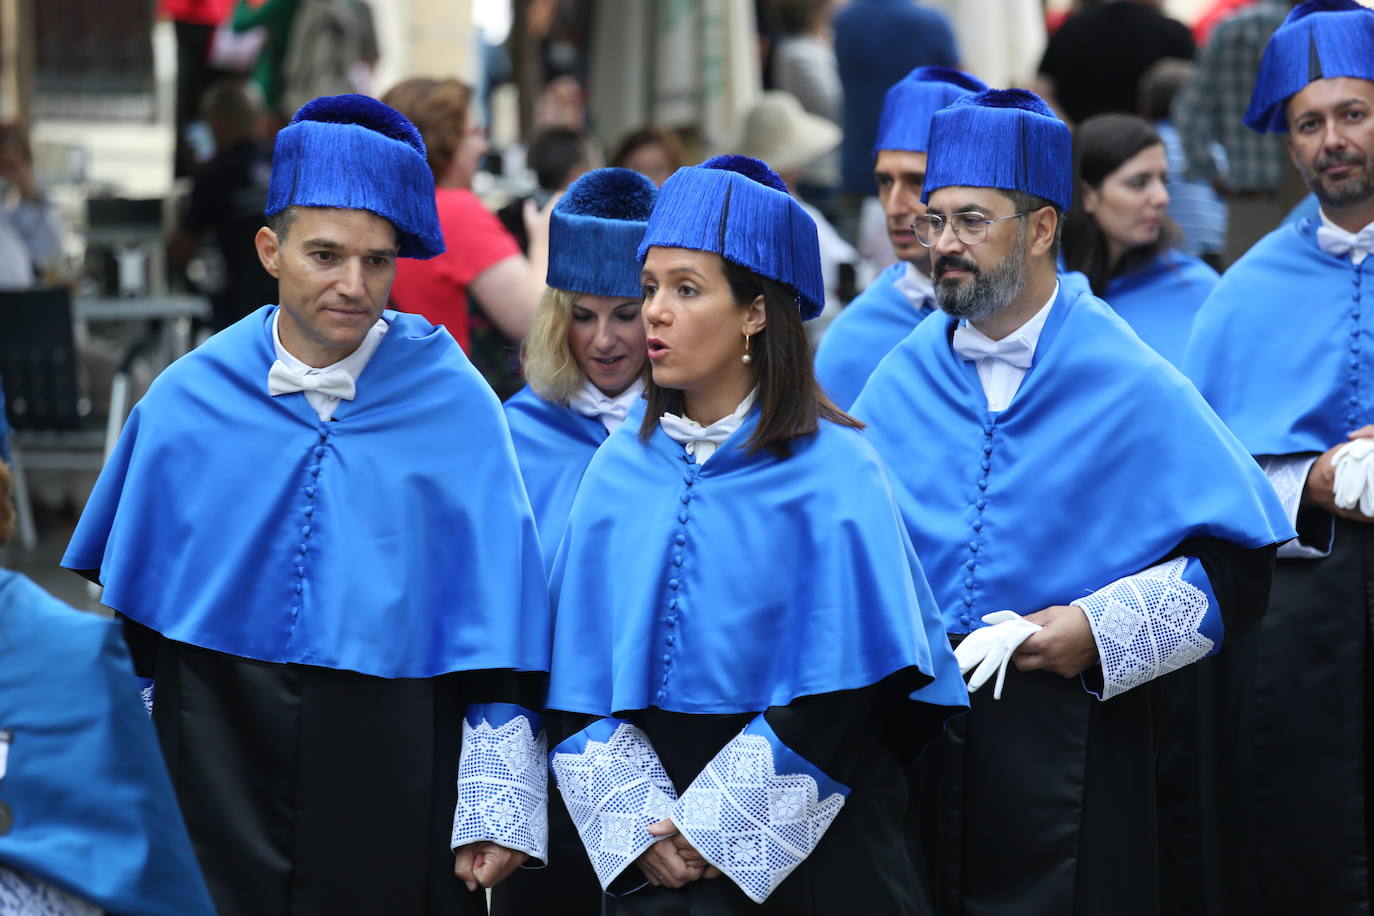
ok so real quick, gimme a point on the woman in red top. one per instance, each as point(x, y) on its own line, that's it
point(481, 257)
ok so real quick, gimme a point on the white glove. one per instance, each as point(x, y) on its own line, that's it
point(991, 647)
point(1354, 464)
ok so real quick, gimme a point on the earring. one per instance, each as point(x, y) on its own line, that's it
point(745, 358)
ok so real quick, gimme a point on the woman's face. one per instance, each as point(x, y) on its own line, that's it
point(607, 340)
point(1130, 204)
point(652, 161)
point(695, 331)
point(472, 146)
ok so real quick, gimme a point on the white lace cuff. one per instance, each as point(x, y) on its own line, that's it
point(146, 688)
point(1288, 475)
point(1151, 623)
point(24, 895)
point(614, 785)
point(503, 786)
point(758, 810)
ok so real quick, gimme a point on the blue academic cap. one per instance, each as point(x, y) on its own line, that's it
point(1007, 139)
point(911, 102)
point(355, 153)
point(739, 208)
point(594, 233)
point(1321, 39)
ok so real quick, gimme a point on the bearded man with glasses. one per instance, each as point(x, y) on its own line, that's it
point(1079, 511)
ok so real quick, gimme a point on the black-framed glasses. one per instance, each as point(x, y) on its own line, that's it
point(971, 228)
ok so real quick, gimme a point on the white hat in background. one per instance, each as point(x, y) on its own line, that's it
point(784, 135)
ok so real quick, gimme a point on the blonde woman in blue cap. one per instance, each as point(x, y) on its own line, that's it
point(742, 662)
point(584, 358)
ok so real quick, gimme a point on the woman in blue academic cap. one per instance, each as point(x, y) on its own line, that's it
point(585, 356)
point(746, 651)
point(1120, 236)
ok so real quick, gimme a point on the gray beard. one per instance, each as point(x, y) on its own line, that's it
point(985, 293)
point(1354, 190)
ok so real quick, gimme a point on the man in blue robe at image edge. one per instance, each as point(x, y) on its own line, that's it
point(1281, 349)
point(314, 530)
point(1050, 464)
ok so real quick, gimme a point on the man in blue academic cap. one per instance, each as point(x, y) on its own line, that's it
point(901, 297)
point(315, 531)
point(1282, 350)
point(1079, 511)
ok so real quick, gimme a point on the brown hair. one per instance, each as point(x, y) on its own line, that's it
point(6, 507)
point(790, 402)
point(647, 136)
point(439, 110)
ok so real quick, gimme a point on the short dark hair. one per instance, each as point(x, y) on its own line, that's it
point(1026, 203)
point(794, 17)
point(1101, 145)
point(790, 402)
point(1159, 85)
point(648, 136)
point(554, 153)
point(280, 222)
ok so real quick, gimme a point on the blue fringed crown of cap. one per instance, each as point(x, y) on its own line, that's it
point(353, 152)
point(1321, 39)
point(594, 233)
point(738, 208)
point(910, 104)
point(1007, 139)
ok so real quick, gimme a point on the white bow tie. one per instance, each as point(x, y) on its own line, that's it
point(1338, 242)
point(334, 382)
point(590, 402)
point(1011, 350)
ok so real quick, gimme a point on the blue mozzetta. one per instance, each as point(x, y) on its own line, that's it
point(908, 106)
point(739, 209)
point(553, 443)
point(1321, 39)
point(1160, 300)
point(1007, 139)
point(862, 334)
point(1096, 413)
point(347, 564)
point(1318, 312)
point(376, 163)
point(727, 635)
point(94, 812)
point(595, 230)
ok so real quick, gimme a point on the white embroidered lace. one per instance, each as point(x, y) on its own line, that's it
point(24, 895)
point(1288, 475)
point(614, 791)
point(751, 822)
point(1146, 625)
point(146, 694)
point(503, 788)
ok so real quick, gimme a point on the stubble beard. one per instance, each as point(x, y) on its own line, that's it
point(1346, 192)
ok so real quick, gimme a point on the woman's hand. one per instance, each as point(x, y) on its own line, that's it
point(485, 864)
point(672, 861)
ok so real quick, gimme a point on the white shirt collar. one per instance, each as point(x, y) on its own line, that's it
point(591, 401)
point(918, 288)
point(701, 442)
point(1337, 241)
point(353, 364)
point(1000, 379)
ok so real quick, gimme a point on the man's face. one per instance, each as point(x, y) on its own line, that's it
point(334, 271)
point(1331, 139)
point(900, 175)
point(976, 281)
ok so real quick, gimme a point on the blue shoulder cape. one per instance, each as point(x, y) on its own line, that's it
point(553, 443)
point(396, 541)
point(739, 584)
point(94, 812)
point(862, 334)
point(1160, 299)
point(1283, 349)
point(1106, 459)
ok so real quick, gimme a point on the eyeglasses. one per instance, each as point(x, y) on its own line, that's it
point(971, 228)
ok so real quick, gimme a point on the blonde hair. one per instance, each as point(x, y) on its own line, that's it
point(550, 367)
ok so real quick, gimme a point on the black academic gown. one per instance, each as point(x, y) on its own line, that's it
point(1043, 802)
point(312, 791)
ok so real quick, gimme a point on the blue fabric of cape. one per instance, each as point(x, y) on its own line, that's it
point(94, 812)
point(396, 541)
point(1160, 300)
point(554, 443)
point(739, 584)
point(1106, 459)
point(1317, 312)
point(863, 333)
